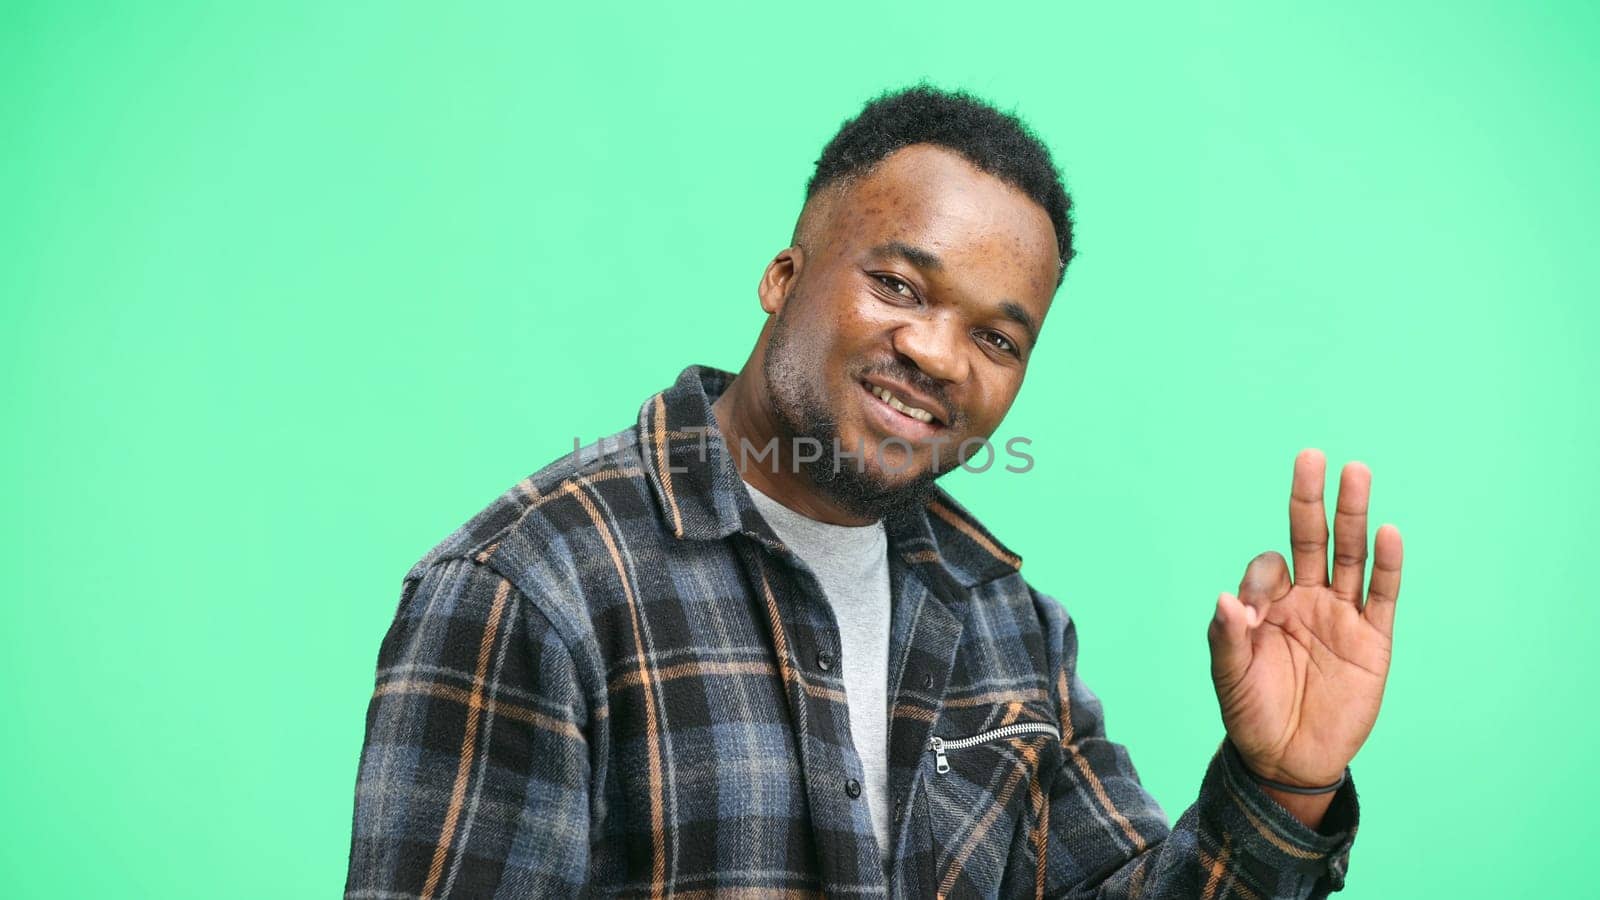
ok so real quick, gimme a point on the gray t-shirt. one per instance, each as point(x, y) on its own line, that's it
point(852, 563)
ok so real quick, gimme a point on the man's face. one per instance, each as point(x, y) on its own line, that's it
point(925, 278)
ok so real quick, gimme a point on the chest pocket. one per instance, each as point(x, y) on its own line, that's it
point(985, 787)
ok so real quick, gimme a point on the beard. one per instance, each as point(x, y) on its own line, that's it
point(802, 413)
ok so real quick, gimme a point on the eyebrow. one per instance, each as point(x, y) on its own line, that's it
point(922, 259)
point(927, 259)
point(1014, 311)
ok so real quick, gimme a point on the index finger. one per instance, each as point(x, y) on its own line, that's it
point(1308, 523)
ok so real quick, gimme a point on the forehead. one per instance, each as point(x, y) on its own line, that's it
point(934, 199)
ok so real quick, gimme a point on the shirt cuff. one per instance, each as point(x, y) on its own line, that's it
point(1270, 837)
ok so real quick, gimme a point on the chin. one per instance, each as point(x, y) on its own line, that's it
point(873, 489)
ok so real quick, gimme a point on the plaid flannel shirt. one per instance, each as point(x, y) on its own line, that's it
point(616, 681)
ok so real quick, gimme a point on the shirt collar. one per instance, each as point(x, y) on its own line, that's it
point(700, 495)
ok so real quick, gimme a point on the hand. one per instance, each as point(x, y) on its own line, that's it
point(1299, 664)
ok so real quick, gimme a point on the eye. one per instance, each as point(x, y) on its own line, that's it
point(897, 286)
point(1000, 342)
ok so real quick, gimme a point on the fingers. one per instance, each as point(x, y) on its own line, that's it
point(1265, 580)
point(1387, 555)
point(1308, 523)
point(1350, 532)
point(1229, 636)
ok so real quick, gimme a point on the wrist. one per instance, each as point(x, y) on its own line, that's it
point(1307, 805)
point(1308, 809)
point(1277, 782)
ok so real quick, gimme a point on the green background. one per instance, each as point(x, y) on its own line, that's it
point(290, 290)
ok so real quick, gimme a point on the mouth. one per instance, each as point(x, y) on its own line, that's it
point(899, 417)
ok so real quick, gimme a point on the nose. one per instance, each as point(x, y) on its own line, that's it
point(934, 344)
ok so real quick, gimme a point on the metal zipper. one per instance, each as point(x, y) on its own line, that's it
point(939, 745)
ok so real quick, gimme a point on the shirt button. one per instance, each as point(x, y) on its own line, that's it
point(853, 788)
point(825, 661)
point(927, 681)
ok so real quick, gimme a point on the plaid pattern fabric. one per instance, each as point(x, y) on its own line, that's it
point(617, 681)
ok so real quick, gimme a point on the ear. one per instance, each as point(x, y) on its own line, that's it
point(778, 279)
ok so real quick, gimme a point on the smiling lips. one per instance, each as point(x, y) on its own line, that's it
point(887, 396)
point(898, 417)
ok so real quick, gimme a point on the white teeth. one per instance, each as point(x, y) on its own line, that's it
point(921, 415)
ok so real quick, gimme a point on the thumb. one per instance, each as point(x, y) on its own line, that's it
point(1229, 635)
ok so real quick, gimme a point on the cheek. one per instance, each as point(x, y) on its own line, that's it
point(850, 329)
point(988, 406)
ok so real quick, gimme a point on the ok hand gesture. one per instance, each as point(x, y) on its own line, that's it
point(1299, 662)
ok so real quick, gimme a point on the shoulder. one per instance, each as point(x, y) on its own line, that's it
point(532, 507)
point(1052, 613)
point(537, 533)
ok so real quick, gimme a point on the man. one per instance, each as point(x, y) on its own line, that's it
point(700, 657)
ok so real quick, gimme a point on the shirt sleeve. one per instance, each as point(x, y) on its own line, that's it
point(1108, 838)
point(474, 774)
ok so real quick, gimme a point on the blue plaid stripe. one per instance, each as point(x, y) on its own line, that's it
point(607, 682)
